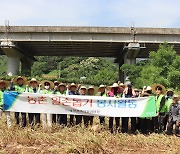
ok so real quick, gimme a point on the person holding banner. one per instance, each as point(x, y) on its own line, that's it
point(3, 87)
point(114, 92)
point(90, 92)
point(20, 87)
point(174, 116)
point(86, 118)
point(158, 121)
point(47, 89)
point(102, 90)
point(54, 118)
point(129, 93)
point(61, 90)
point(73, 91)
point(33, 83)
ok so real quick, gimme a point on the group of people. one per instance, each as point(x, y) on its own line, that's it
point(167, 106)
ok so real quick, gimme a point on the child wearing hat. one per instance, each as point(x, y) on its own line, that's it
point(174, 116)
point(20, 87)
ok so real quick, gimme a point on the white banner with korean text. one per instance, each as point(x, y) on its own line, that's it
point(79, 105)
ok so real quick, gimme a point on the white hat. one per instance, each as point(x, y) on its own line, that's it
point(114, 85)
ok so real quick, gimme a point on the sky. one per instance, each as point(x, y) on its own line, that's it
point(103, 13)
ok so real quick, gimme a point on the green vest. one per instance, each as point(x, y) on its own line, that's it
point(169, 101)
point(59, 93)
point(46, 91)
point(30, 90)
point(158, 101)
point(20, 89)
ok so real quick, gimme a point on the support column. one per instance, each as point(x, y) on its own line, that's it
point(26, 66)
point(13, 60)
point(13, 66)
point(15, 55)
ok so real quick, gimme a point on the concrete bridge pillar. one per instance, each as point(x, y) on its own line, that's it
point(26, 65)
point(15, 56)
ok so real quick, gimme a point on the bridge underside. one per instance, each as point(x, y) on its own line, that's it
point(80, 48)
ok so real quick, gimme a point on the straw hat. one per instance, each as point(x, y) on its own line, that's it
point(62, 84)
point(91, 87)
point(72, 85)
point(148, 88)
point(122, 85)
point(102, 86)
point(20, 77)
point(115, 85)
point(56, 82)
point(175, 96)
point(7, 83)
point(50, 82)
point(154, 86)
point(170, 90)
point(33, 80)
point(83, 87)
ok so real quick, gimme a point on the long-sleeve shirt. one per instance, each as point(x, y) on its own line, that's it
point(174, 112)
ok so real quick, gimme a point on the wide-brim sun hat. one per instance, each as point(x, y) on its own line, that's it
point(115, 85)
point(91, 87)
point(154, 86)
point(62, 84)
point(102, 86)
point(72, 85)
point(33, 80)
point(83, 87)
point(20, 77)
point(7, 83)
point(148, 88)
point(122, 85)
point(50, 83)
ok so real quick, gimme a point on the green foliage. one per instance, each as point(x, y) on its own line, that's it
point(161, 67)
point(71, 69)
point(3, 65)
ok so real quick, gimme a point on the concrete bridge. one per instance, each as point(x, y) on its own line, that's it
point(22, 43)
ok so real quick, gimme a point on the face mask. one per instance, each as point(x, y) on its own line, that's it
point(46, 87)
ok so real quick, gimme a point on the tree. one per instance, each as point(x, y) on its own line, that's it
point(161, 67)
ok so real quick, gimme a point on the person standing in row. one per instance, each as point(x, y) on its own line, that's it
point(90, 92)
point(73, 91)
point(54, 116)
point(114, 92)
point(47, 89)
point(20, 87)
point(129, 93)
point(3, 88)
point(174, 116)
point(33, 83)
point(61, 90)
point(102, 90)
point(158, 121)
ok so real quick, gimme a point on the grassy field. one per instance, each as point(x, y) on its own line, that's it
point(81, 140)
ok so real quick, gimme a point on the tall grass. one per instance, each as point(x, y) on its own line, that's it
point(81, 140)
